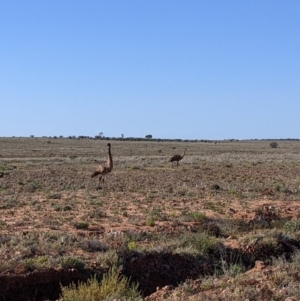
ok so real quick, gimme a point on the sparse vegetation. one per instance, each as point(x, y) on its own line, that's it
point(229, 204)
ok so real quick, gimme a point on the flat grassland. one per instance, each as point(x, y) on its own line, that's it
point(236, 192)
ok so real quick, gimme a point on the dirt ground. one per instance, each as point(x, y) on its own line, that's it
point(46, 187)
point(47, 182)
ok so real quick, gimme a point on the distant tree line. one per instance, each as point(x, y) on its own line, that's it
point(150, 138)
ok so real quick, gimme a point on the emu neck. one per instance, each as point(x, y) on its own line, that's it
point(110, 160)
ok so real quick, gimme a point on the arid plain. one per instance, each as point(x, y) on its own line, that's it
point(235, 192)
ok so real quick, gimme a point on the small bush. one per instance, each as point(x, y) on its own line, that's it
point(150, 222)
point(81, 225)
point(55, 196)
point(292, 225)
point(131, 245)
point(274, 144)
point(215, 187)
point(32, 264)
point(107, 259)
point(72, 262)
point(201, 242)
point(197, 216)
point(10, 204)
point(112, 287)
point(135, 167)
point(97, 213)
point(93, 245)
point(278, 187)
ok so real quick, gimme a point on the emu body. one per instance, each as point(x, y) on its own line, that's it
point(177, 158)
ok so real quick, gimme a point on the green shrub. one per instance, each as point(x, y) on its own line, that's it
point(113, 286)
point(107, 259)
point(81, 225)
point(201, 242)
point(32, 264)
point(292, 225)
point(131, 245)
point(72, 262)
point(278, 187)
point(150, 222)
point(197, 216)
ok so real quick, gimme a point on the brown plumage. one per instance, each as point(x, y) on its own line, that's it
point(103, 170)
point(177, 158)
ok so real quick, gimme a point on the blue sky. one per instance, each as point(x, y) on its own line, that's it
point(174, 69)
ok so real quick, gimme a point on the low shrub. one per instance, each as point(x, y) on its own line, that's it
point(113, 286)
point(72, 262)
point(274, 144)
point(292, 225)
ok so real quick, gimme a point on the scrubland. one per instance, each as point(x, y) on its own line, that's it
point(224, 225)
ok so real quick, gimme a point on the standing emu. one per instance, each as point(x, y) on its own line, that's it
point(177, 158)
point(103, 170)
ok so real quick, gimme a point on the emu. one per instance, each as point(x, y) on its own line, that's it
point(103, 170)
point(177, 158)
